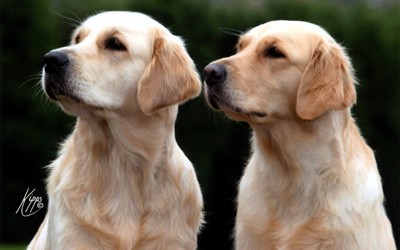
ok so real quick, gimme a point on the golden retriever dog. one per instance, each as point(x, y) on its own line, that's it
point(121, 181)
point(311, 181)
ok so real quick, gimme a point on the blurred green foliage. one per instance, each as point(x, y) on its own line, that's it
point(12, 247)
point(31, 127)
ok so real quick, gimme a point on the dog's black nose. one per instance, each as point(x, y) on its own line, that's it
point(55, 61)
point(214, 73)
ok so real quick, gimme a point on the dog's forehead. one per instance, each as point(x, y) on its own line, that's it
point(288, 29)
point(124, 20)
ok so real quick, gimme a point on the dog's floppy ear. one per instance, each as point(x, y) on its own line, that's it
point(170, 78)
point(327, 83)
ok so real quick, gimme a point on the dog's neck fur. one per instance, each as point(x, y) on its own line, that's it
point(301, 153)
point(308, 170)
point(104, 153)
point(138, 136)
point(287, 141)
point(140, 142)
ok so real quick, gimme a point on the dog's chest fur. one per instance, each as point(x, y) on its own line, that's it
point(113, 197)
point(310, 193)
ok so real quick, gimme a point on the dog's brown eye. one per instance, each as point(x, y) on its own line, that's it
point(77, 39)
point(114, 44)
point(274, 52)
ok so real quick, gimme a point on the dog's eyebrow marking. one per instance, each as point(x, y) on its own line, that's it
point(109, 33)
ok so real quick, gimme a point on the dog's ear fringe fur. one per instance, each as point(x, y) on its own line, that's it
point(170, 78)
point(328, 82)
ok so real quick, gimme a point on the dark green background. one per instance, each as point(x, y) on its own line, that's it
point(32, 127)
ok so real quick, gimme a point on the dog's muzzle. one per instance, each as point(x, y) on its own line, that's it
point(216, 79)
point(55, 68)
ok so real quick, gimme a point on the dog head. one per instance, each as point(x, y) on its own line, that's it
point(120, 60)
point(282, 69)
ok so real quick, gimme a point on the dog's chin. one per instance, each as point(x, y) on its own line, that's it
point(234, 112)
point(74, 108)
point(238, 114)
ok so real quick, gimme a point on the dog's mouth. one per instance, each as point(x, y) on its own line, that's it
point(56, 90)
point(218, 103)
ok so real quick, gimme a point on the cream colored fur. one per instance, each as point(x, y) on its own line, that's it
point(311, 181)
point(121, 181)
